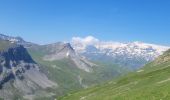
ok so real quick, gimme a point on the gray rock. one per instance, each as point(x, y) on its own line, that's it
point(19, 72)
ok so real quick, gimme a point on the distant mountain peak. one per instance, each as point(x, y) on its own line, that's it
point(60, 50)
point(11, 38)
point(17, 40)
point(134, 54)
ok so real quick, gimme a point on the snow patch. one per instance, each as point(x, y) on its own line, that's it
point(140, 71)
point(68, 53)
point(164, 81)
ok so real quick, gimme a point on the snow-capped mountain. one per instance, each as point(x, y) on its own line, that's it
point(11, 39)
point(134, 54)
point(17, 40)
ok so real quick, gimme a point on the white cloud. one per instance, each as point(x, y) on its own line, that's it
point(81, 43)
point(89, 40)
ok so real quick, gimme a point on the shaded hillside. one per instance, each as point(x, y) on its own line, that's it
point(20, 76)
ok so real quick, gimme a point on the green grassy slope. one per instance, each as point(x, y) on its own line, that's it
point(149, 83)
point(66, 74)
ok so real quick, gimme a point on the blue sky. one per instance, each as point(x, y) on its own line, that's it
point(47, 21)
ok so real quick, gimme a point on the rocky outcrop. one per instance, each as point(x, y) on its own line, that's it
point(18, 71)
point(61, 50)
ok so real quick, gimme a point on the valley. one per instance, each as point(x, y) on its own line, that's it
point(149, 83)
point(59, 70)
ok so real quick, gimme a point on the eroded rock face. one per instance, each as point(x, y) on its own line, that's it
point(18, 71)
point(61, 50)
point(11, 63)
point(16, 54)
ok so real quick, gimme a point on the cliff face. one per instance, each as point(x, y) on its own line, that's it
point(11, 61)
point(19, 72)
point(16, 54)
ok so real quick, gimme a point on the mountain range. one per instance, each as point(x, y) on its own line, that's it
point(53, 70)
point(130, 55)
point(33, 71)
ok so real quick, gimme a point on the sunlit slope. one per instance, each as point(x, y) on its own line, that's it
point(150, 83)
